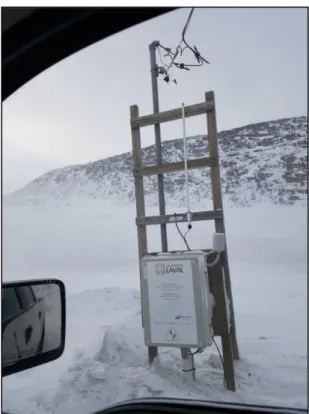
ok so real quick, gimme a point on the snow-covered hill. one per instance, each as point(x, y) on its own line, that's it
point(265, 162)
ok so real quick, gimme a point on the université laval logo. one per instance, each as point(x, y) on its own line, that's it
point(160, 269)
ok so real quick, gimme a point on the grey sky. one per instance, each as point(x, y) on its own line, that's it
point(78, 110)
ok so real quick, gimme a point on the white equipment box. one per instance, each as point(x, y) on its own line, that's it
point(176, 303)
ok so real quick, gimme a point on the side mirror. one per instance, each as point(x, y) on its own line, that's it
point(33, 324)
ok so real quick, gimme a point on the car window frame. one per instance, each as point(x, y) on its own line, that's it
point(29, 305)
point(19, 304)
point(9, 319)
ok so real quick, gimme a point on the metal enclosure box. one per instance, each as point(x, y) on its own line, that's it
point(176, 303)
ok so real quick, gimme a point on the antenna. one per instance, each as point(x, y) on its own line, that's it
point(185, 152)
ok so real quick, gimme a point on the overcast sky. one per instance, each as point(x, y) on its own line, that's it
point(78, 110)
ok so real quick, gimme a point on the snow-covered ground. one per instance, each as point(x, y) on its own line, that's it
point(92, 247)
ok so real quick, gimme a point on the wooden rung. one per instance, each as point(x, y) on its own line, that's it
point(175, 166)
point(181, 218)
point(172, 115)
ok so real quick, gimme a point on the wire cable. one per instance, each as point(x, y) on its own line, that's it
point(160, 56)
point(216, 261)
point(194, 50)
point(181, 235)
point(198, 351)
point(220, 355)
point(178, 48)
point(181, 47)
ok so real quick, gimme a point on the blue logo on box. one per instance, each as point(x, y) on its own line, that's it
point(178, 317)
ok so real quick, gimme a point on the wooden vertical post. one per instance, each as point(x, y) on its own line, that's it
point(220, 320)
point(219, 223)
point(140, 202)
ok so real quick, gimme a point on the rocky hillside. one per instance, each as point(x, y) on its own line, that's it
point(265, 162)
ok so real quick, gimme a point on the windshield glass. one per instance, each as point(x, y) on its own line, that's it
point(71, 201)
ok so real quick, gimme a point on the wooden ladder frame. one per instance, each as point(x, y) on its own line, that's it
point(219, 276)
